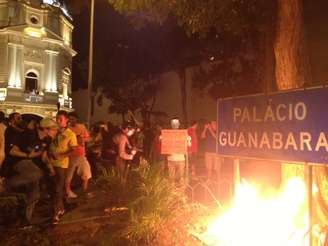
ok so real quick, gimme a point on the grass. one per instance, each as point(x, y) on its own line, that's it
point(151, 199)
point(153, 206)
point(9, 205)
point(146, 210)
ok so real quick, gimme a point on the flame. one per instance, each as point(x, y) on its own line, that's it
point(281, 220)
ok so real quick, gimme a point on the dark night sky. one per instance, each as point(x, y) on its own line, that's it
point(114, 38)
point(316, 20)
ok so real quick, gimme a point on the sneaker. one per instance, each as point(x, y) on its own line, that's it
point(89, 195)
point(56, 218)
point(61, 212)
point(29, 212)
point(26, 227)
point(71, 194)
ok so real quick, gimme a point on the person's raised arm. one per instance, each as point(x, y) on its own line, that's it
point(203, 135)
point(212, 132)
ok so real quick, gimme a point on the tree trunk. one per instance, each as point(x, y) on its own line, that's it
point(267, 75)
point(292, 71)
point(183, 89)
point(289, 46)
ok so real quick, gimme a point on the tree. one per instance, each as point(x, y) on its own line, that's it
point(245, 19)
point(126, 64)
point(231, 72)
point(132, 95)
point(196, 16)
point(128, 55)
point(291, 60)
point(284, 38)
point(248, 24)
point(273, 27)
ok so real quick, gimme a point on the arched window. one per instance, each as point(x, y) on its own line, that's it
point(31, 82)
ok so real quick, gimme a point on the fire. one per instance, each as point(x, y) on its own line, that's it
point(254, 220)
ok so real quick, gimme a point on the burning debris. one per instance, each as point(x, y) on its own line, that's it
point(255, 220)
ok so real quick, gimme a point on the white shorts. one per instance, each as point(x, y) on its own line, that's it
point(82, 167)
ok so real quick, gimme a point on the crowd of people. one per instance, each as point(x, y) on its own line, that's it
point(39, 158)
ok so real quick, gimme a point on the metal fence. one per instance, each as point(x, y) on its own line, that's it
point(210, 192)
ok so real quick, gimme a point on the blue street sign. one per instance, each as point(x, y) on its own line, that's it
point(285, 126)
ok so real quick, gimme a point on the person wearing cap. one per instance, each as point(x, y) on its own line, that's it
point(49, 126)
point(42, 136)
point(124, 149)
point(47, 131)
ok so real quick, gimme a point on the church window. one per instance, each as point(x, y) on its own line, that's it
point(31, 82)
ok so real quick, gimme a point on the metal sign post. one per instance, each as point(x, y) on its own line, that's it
point(310, 207)
point(236, 173)
point(187, 166)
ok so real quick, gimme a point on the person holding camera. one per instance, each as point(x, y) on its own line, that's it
point(37, 137)
point(212, 160)
point(125, 152)
point(23, 156)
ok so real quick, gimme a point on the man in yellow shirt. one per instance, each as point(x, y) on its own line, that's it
point(61, 149)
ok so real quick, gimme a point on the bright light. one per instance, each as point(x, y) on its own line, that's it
point(56, 3)
point(65, 11)
point(35, 32)
point(281, 220)
point(3, 94)
point(51, 2)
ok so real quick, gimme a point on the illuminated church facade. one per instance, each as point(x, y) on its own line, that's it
point(35, 57)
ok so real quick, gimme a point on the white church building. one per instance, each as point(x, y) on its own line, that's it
point(35, 57)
